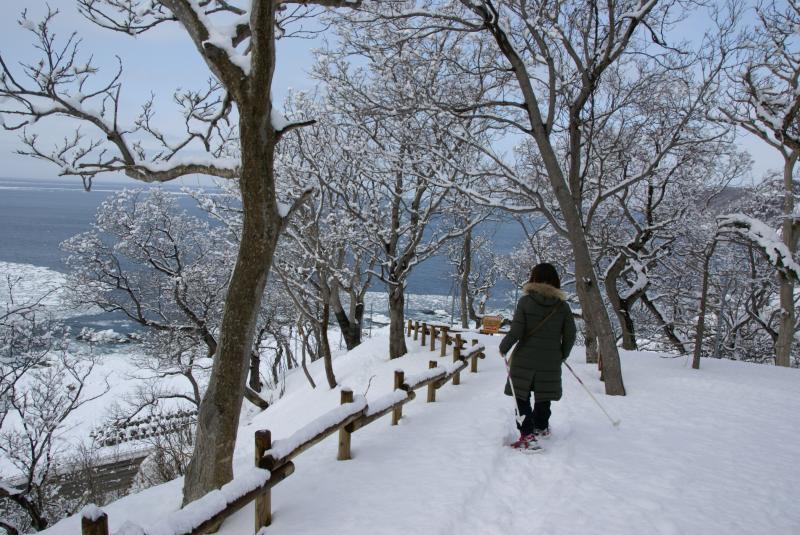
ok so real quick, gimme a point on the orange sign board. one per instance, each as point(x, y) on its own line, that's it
point(491, 324)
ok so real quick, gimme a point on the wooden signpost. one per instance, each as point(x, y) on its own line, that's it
point(491, 324)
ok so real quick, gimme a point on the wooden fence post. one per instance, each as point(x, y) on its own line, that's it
point(397, 412)
point(473, 368)
point(431, 386)
point(410, 327)
point(433, 338)
point(424, 333)
point(444, 342)
point(456, 358)
point(98, 526)
point(344, 434)
point(263, 503)
point(416, 330)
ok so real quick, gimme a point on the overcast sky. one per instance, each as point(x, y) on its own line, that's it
point(160, 61)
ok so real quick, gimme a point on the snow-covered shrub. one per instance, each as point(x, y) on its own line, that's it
point(41, 383)
point(171, 453)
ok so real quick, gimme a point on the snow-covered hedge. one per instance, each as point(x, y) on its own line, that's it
point(143, 428)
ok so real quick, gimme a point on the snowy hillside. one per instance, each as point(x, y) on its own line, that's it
point(709, 451)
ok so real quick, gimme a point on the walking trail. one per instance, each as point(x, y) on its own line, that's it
point(709, 451)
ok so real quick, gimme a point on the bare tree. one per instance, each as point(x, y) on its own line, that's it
point(413, 159)
point(638, 231)
point(236, 40)
point(764, 99)
point(169, 457)
point(26, 339)
point(302, 267)
point(320, 235)
point(476, 272)
point(165, 270)
point(542, 244)
point(562, 74)
point(43, 383)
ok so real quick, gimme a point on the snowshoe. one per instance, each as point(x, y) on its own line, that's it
point(526, 444)
point(542, 433)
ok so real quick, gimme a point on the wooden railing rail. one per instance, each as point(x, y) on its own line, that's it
point(313, 433)
point(423, 379)
point(372, 416)
point(273, 461)
point(210, 525)
point(444, 335)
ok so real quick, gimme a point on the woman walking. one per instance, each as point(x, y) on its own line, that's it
point(544, 331)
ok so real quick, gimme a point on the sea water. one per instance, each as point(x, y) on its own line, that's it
point(36, 216)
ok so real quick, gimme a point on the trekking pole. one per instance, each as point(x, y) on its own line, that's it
point(614, 422)
point(517, 415)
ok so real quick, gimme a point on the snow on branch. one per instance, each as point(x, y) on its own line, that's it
point(764, 98)
point(762, 236)
point(323, 3)
point(283, 126)
point(62, 83)
point(286, 210)
point(219, 40)
point(641, 279)
point(132, 17)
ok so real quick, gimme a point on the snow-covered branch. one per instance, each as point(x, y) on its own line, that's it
point(764, 238)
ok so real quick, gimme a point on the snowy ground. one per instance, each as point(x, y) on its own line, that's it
point(709, 451)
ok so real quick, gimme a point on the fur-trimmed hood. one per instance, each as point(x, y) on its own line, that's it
point(545, 290)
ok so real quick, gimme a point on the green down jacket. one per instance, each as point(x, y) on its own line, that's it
point(536, 361)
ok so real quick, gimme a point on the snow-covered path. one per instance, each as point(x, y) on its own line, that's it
point(706, 452)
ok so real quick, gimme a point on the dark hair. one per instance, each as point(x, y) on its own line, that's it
point(545, 273)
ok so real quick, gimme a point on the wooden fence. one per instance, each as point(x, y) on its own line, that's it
point(273, 460)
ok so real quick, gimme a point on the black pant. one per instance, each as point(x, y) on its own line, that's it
point(537, 417)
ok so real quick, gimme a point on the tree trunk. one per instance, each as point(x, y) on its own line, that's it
point(350, 327)
point(276, 364)
point(325, 346)
point(218, 416)
point(253, 397)
point(701, 317)
point(594, 312)
point(466, 267)
point(628, 328)
point(721, 317)
point(472, 314)
point(786, 319)
point(303, 362)
point(358, 319)
point(590, 342)
point(397, 338)
point(620, 305)
point(255, 371)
